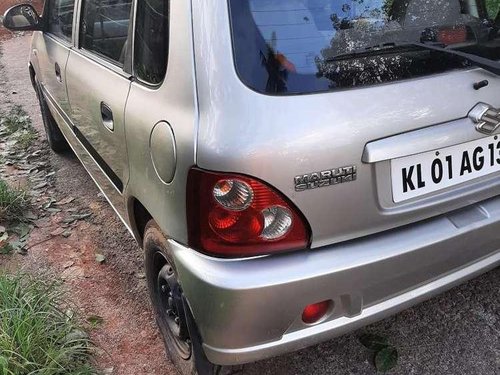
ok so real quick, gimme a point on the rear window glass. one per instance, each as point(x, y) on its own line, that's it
point(303, 46)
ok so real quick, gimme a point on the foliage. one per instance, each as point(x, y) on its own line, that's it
point(16, 119)
point(387, 7)
point(493, 7)
point(12, 202)
point(385, 355)
point(36, 335)
point(386, 359)
point(26, 138)
point(17, 123)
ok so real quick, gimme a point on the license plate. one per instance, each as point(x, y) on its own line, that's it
point(416, 175)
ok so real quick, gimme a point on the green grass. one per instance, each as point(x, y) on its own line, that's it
point(17, 122)
point(16, 119)
point(12, 203)
point(26, 138)
point(36, 335)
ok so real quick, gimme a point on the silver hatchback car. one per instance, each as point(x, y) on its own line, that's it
point(293, 169)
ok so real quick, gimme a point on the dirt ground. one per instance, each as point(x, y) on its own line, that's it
point(6, 4)
point(455, 333)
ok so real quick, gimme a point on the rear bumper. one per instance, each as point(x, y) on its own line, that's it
point(248, 310)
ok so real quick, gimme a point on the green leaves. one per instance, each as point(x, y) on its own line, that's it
point(16, 119)
point(4, 364)
point(95, 320)
point(493, 7)
point(386, 359)
point(385, 355)
point(17, 243)
point(13, 201)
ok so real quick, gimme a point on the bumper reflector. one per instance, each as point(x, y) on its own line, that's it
point(315, 312)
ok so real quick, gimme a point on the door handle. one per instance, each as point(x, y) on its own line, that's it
point(57, 69)
point(107, 116)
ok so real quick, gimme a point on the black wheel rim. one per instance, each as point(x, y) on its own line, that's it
point(169, 306)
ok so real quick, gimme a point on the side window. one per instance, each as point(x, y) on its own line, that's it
point(151, 40)
point(60, 18)
point(104, 28)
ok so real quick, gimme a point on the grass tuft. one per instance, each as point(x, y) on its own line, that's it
point(36, 335)
point(13, 202)
point(16, 119)
point(26, 138)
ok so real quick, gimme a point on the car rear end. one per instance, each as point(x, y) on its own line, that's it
point(333, 189)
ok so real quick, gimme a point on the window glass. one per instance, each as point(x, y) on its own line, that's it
point(301, 46)
point(60, 18)
point(104, 28)
point(151, 40)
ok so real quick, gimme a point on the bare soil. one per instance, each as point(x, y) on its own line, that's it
point(6, 4)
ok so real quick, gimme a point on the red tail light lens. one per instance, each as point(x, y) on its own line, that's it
point(233, 215)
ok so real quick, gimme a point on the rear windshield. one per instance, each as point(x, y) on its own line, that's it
point(304, 46)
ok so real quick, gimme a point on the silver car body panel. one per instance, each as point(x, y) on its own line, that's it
point(248, 309)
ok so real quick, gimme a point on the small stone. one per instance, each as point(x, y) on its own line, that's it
point(100, 258)
point(57, 232)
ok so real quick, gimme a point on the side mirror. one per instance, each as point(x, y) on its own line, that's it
point(22, 17)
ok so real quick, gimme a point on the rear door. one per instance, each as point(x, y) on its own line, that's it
point(98, 75)
point(53, 51)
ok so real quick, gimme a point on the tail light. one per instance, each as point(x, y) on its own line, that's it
point(232, 215)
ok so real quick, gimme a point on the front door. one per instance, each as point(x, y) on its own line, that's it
point(53, 52)
point(98, 84)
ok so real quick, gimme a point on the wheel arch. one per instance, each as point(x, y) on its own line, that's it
point(139, 216)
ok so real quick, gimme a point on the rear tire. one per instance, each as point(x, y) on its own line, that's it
point(56, 139)
point(176, 323)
